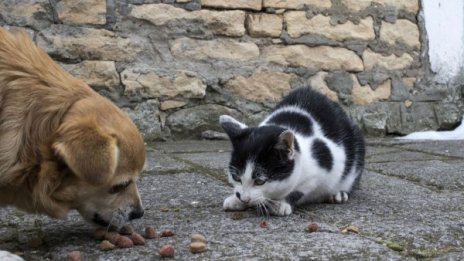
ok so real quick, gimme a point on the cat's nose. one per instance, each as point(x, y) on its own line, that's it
point(246, 200)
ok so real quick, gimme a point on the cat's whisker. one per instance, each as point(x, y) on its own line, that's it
point(262, 204)
point(272, 204)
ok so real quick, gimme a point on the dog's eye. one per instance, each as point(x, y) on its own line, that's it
point(120, 187)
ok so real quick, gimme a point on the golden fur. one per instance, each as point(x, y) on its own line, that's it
point(62, 145)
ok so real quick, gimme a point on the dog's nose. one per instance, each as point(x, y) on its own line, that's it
point(136, 214)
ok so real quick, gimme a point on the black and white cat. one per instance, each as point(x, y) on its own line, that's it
point(306, 150)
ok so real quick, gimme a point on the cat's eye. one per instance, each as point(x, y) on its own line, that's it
point(236, 177)
point(259, 181)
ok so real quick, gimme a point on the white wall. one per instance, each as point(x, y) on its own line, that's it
point(444, 22)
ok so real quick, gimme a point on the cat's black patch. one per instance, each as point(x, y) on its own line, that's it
point(334, 123)
point(293, 197)
point(293, 120)
point(257, 145)
point(322, 154)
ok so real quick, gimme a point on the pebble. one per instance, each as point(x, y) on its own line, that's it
point(106, 245)
point(167, 251)
point(197, 247)
point(351, 229)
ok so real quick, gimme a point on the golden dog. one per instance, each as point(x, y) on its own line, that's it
point(62, 145)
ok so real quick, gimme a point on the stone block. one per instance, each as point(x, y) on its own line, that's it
point(411, 6)
point(88, 44)
point(363, 94)
point(96, 73)
point(235, 4)
point(151, 85)
point(146, 117)
point(30, 13)
point(400, 91)
point(392, 62)
point(320, 57)
point(403, 31)
point(409, 82)
point(82, 11)
point(261, 86)
point(375, 124)
point(297, 4)
point(219, 49)
point(264, 25)
point(229, 23)
point(298, 24)
point(318, 83)
point(448, 114)
point(341, 82)
point(171, 104)
point(190, 122)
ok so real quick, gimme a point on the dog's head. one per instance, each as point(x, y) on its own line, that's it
point(99, 154)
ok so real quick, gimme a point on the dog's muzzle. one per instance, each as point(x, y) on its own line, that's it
point(137, 213)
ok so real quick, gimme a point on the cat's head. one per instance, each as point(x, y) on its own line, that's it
point(262, 159)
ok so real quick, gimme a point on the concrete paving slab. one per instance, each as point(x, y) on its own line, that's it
point(410, 206)
point(220, 162)
point(441, 175)
point(159, 162)
point(186, 146)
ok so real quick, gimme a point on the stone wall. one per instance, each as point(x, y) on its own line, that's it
point(176, 65)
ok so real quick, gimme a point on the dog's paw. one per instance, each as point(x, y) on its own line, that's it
point(232, 203)
point(339, 198)
point(281, 209)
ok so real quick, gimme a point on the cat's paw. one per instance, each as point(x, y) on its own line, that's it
point(233, 203)
point(339, 198)
point(282, 209)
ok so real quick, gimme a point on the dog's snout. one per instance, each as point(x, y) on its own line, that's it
point(138, 213)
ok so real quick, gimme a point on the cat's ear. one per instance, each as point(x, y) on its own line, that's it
point(231, 126)
point(286, 144)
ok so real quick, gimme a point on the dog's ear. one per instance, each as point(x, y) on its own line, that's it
point(88, 151)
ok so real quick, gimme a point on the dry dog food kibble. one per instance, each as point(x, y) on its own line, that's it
point(124, 242)
point(100, 233)
point(74, 256)
point(236, 215)
point(198, 238)
point(126, 230)
point(167, 251)
point(197, 247)
point(106, 245)
point(112, 236)
point(150, 232)
point(167, 233)
point(263, 224)
point(313, 227)
point(137, 239)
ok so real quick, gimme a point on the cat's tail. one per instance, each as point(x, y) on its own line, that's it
point(456, 134)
